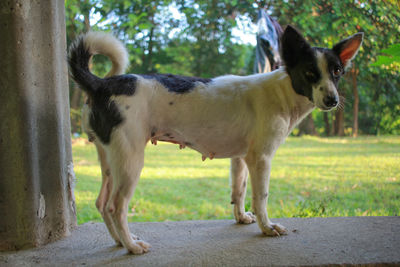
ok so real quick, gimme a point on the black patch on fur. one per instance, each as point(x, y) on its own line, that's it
point(176, 83)
point(105, 115)
point(171, 103)
point(78, 61)
point(118, 85)
point(300, 61)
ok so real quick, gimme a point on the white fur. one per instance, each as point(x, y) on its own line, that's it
point(106, 44)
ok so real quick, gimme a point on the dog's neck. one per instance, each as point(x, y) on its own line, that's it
point(294, 107)
point(299, 112)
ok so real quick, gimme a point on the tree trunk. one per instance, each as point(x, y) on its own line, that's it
point(77, 93)
point(150, 55)
point(87, 22)
point(339, 117)
point(339, 122)
point(147, 65)
point(354, 73)
point(307, 126)
point(327, 124)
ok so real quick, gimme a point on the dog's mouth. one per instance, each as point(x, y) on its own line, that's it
point(326, 108)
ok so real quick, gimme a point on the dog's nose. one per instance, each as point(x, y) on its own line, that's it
point(331, 101)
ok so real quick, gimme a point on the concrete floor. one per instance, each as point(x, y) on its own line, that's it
point(310, 242)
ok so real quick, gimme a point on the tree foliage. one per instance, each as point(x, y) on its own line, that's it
point(390, 57)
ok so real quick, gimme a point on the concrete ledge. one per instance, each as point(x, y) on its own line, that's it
point(311, 241)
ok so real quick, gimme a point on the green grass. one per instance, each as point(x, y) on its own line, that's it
point(310, 177)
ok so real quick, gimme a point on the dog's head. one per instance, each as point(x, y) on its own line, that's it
point(314, 71)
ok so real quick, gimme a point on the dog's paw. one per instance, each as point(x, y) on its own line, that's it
point(246, 218)
point(118, 243)
point(274, 229)
point(138, 247)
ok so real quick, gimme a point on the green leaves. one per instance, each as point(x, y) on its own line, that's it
point(391, 56)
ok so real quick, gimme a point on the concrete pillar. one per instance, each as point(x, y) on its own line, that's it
point(36, 176)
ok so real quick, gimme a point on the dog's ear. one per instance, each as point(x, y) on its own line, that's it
point(347, 49)
point(293, 46)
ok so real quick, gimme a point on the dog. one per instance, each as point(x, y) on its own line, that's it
point(244, 118)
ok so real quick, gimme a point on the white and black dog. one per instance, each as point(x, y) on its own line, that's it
point(242, 118)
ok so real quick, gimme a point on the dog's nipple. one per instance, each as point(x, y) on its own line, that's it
point(203, 158)
point(154, 141)
point(212, 155)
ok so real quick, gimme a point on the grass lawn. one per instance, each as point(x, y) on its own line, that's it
point(310, 177)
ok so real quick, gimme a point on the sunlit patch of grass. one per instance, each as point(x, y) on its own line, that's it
point(310, 176)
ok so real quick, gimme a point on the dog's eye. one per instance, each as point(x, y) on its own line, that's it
point(337, 71)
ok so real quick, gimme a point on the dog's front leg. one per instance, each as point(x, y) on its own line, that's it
point(239, 175)
point(260, 169)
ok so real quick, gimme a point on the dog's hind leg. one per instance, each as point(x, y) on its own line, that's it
point(260, 169)
point(126, 163)
point(239, 175)
point(105, 192)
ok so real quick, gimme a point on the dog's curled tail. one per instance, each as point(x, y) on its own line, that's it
point(89, 44)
